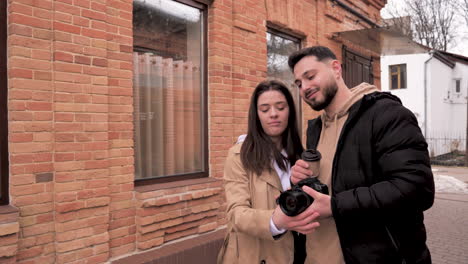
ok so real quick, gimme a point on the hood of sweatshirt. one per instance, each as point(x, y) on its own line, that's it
point(357, 93)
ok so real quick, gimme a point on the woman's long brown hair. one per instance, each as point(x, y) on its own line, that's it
point(258, 149)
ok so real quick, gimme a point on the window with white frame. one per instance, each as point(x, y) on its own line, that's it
point(169, 64)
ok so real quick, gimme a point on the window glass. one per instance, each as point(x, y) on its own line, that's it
point(279, 47)
point(168, 89)
point(457, 86)
point(402, 76)
point(394, 82)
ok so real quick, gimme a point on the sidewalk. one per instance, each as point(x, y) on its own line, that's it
point(447, 221)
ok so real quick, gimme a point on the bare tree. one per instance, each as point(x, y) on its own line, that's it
point(463, 9)
point(428, 22)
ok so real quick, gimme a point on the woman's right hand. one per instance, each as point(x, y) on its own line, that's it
point(303, 223)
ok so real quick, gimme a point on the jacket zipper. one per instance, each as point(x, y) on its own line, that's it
point(351, 117)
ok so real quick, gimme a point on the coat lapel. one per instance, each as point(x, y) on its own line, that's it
point(269, 176)
point(272, 178)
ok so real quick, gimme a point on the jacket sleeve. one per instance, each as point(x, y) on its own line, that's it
point(404, 178)
point(241, 215)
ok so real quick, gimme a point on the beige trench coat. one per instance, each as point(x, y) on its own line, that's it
point(250, 204)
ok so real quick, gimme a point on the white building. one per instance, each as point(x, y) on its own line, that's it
point(434, 85)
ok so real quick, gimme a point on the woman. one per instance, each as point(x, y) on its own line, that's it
point(256, 172)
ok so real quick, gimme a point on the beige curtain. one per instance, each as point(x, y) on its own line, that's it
point(167, 116)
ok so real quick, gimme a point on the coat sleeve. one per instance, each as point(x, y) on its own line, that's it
point(405, 181)
point(244, 218)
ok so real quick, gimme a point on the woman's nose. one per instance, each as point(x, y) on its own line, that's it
point(273, 112)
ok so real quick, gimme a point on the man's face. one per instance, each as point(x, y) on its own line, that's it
point(315, 81)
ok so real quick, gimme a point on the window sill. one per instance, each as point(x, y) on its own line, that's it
point(9, 229)
point(7, 209)
point(174, 184)
point(455, 100)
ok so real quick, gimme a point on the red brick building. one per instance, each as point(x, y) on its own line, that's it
point(116, 116)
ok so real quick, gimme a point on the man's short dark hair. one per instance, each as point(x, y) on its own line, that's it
point(320, 52)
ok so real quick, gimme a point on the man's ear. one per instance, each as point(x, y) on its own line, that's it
point(336, 67)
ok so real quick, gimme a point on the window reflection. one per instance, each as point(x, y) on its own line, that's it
point(279, 47)
point(168, 73)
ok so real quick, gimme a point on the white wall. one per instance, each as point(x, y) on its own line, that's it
point(446, 110)
point(413, 96)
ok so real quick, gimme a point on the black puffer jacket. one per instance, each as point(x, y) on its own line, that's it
point(382, 182)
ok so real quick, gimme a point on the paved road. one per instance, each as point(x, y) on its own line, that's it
point(447, 222)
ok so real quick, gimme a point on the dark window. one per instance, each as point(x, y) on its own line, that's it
point(170, 111)
point(357, 68)
point(397, 76)
point(457, 86)
point(279, 47)
point(3, 105)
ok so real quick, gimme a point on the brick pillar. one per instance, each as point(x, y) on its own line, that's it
point(122, 227)
point(80, 75)
point(31, 135)
point(249, 57)
point(220, 69)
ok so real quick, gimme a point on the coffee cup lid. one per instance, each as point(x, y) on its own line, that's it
point(311, 155)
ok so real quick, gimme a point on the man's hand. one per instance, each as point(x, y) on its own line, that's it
point(321, 204)
point(302, 223)
point(300, 171)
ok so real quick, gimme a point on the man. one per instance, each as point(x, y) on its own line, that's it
point(374, 161)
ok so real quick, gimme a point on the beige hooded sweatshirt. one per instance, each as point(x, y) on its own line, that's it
point(323, 246)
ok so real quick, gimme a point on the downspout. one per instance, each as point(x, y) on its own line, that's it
point(431, 54)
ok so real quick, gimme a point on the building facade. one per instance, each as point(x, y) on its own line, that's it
point(433, 85)
point(117, 115)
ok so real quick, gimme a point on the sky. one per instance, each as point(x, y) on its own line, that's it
point(461, 46)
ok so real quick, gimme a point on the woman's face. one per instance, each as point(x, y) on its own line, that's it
point(273, 111)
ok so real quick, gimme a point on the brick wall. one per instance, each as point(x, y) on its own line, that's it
point(70, 112)
point(31, 138)
point(70, 123)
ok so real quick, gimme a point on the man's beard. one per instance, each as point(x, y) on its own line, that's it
point(329, 93)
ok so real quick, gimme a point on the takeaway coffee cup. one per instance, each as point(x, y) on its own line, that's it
point(312, 156)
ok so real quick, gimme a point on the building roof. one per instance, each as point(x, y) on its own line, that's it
point(388, 41)
point(455, 57)
point(382, 40)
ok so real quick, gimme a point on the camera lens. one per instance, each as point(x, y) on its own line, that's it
point(291, 203)
point(294, 202)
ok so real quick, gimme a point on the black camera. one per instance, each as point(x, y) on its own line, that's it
point(295, 201)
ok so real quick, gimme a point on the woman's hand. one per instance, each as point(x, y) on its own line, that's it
point(303, 223)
